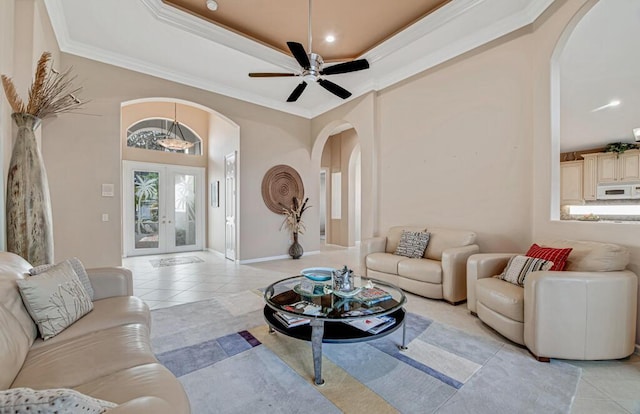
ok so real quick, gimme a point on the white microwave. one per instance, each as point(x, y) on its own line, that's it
point(618, 192)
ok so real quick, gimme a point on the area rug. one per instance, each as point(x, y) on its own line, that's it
point(221, 351)
point(174, 261)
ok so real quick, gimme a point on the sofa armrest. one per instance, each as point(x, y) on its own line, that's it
point(454, 272)
point(368, 246)
point(143, 405)
point(111, 281)
point(580, 315)
point(480, 266)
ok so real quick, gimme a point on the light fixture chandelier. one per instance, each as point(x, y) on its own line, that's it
point(175, 138)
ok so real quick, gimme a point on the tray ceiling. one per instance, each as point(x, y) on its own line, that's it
point(176, 43)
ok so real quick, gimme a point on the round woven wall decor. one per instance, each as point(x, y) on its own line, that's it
point(279, 185)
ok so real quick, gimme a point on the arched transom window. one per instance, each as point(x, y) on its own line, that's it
point(150, 133)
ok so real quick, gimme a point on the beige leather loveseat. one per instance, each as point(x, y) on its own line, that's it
point(105, 354)
point(587, 312)
point(439, 274)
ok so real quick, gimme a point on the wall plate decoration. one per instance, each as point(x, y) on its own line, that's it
point(279, 185)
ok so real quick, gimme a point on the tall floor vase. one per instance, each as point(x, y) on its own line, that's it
point(29, 223)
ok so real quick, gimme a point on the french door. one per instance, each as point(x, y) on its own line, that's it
point(163, 208)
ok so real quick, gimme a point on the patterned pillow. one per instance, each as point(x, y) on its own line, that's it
point(55, 299)
point(60, 400)
point(520, 266)
point(77, 266)
point(412, 244)
point(557, 256)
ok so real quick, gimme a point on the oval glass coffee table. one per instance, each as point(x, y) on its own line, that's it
point(334, 317)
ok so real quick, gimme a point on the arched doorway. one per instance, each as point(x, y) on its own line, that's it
point(340, 186)
point(178, 200)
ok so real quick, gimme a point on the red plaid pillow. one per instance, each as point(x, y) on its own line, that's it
point(557, 256)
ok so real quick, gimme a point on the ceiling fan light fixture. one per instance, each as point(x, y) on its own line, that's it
point(212, 5)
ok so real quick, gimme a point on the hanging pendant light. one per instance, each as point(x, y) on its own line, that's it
point(175, 138)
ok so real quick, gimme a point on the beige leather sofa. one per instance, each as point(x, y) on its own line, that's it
point(587, 312)
point(439, 274)
point(106, 354)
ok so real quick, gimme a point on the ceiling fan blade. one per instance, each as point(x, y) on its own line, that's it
point(297, 50)
point(334, 89)
point(269, 75)
point(297, 92)
point(346, 67)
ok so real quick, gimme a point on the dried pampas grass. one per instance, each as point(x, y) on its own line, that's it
point(51, 92)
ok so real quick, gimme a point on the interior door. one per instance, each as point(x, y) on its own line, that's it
point(230, 205)
point(163, 210)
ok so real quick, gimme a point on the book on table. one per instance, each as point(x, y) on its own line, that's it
point(373, 325)
point(291, 321)
point(369, 296)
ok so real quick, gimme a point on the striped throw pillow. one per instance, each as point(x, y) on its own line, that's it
point(557, 256)
point(520, 266)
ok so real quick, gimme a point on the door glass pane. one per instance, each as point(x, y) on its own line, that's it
point(185, 209)
point(146, 196)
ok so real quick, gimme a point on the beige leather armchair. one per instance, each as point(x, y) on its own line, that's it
point(439, 274)
point(587, 312)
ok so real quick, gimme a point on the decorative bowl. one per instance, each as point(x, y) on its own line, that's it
point(318, 274)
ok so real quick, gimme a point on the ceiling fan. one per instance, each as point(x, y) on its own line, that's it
point(313, 68)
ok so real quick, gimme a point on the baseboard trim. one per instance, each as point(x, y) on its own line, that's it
point(217, 253)
point(270, 258)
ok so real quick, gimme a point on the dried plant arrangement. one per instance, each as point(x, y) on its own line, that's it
point(51, 92)
point(293, 215)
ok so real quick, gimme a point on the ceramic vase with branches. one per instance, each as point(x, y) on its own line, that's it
point(28, 204)
point(293, 222)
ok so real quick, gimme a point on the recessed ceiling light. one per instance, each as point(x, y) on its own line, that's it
point(212, 5)
point(330, 38)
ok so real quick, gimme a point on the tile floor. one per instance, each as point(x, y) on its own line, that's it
point(605, 387)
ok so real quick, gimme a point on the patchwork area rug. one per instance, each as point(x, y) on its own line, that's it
point(221, 351)
point(174, 261)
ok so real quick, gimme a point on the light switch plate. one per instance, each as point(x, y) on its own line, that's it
point(107, 190)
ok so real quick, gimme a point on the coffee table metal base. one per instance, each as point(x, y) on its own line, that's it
point(317, 337)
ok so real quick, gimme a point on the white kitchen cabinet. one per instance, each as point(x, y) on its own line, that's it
point(571, 182)
point(614, 168)
point(590, 176)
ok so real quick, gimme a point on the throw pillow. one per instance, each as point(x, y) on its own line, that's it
point(520, 266)
point(557, 256)
point(60, 400)
point(77, 266)
point(412, 244)
point(55, 299)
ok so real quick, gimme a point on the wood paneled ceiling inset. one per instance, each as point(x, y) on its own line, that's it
point(358, 25)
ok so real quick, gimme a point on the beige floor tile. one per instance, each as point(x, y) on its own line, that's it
point(160, 294)
point(596, 407)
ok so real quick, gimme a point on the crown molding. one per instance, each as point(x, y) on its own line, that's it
point(136, 65)
point(211, 31)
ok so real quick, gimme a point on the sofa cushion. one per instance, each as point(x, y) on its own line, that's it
point(57, 400)
point(68, 364)
point(412, 244)
point(12, 268)
point(442, 239)
point(55, 299)
point(106, 313)
point(520, 266)
point(149, 379)
point(395, 233)
point(555, 255)
point(77, 266)
point(14, 346)
point(423, 270)
point(588, 256)
point(502, 297)
point(384, 262)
